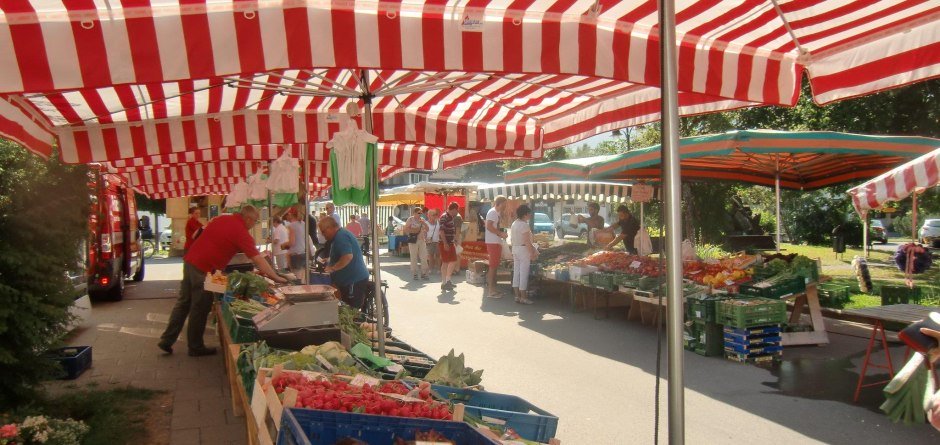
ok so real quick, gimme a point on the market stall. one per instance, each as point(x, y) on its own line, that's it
point(107, 82)
point(280, 364)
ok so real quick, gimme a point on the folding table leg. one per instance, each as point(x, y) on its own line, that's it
point(865, 364)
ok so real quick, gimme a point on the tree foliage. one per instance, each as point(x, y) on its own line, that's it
point(43, 222)
point(555, 154)
point(145, 204)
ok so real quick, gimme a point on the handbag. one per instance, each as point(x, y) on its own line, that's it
point(412, 238)
point(458, 248)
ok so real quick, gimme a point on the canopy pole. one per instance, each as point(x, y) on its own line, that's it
point(777, 193)
point(673, 200)
point(865, 235)
point(913, 217)
point(374, 210)
point(306, 278)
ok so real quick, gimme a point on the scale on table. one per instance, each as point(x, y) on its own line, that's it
point(307, 315)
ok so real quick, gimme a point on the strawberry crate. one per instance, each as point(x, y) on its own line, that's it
point(741, 313)
point(781, 288)
point(528, 420)
point(301, 426)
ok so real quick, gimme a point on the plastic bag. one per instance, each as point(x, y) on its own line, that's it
point(284, 175)
point(238, 196)
point(507, 251)
point(643, 243)
point(257, 188)
point(688, 251)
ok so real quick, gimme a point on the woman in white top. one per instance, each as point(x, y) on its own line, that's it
point(417, 231)
point(523, 252)
point(280, 236)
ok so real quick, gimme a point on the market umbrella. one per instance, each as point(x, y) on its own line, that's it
point(905, 180)
point(587, 190)
point(561, 170)
point(111, 81)
point(781, 159)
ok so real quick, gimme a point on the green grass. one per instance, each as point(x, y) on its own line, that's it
point(115, 416)
point(881, 267)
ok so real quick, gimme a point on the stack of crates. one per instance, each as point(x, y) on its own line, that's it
point(703, 335)
point(833, 295)
point(752, 329)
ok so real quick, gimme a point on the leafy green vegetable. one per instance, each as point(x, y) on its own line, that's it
point(776, 266)
point(246, 284)
point(347, 322)
point(450, 371)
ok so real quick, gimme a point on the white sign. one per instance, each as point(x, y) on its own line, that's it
point(641, 193)
point(635, 265)
point(361, 380)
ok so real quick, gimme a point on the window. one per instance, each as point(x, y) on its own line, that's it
point(542, 218)
point(415, 178)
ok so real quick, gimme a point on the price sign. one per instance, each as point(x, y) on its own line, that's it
point(635, 265)
point(641, 193)
point(361, 380)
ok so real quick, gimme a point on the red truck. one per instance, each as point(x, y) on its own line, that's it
point(114, 253)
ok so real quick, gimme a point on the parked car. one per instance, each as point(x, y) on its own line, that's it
point(542, 224)
point(930, 233)
point(878, 232)
point(564, 228)
point(114, 253)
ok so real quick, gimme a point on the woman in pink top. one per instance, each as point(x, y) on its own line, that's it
point(353, 226)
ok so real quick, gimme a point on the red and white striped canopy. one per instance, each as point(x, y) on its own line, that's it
point(897, 184)
point(138, 79)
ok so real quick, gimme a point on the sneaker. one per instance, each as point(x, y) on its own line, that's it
point(425, 277)
point(201, 352)
point(416, 277)
point(524, 301)
point(450, 286)
point(495, 296)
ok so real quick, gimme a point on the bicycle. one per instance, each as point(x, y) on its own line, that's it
point(148, 248)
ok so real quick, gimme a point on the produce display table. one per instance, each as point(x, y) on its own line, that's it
point(229, 351)
point(818, 335)
point(878, 315)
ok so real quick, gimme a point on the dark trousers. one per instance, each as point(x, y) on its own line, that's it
point(354, 294)
point(193, 303)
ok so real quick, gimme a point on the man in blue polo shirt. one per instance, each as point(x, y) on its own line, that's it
point(346, 268)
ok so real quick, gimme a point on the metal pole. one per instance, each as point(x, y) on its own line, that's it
point(777, 193)
point(672, 189)
point(306, 278)
point(374, 210)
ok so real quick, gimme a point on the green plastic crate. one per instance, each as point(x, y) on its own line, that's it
point(228, 319)
point(833, 295)
point(243, 331)
point(711, 339)
point(586, 279)
point(703, 308)
point(899, 294)
point(783, 288)
point(741, 313)
point(603, 280)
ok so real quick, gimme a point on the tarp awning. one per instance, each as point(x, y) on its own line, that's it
point(899, 183)
point(558, 190)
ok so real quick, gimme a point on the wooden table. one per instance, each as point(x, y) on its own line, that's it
point(818, 335)
point(878, 315)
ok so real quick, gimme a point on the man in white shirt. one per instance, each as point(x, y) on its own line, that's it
point(494, 237)
point(331, 210)
point(278, 238)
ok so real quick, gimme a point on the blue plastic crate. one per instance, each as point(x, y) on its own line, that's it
point(73, 363)
point(758, 330)
point(319, 278)
point(528, 420)
point(300, 426)
point(753, 349)
point(752, 339)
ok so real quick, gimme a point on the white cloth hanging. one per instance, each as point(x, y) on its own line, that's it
point(238, 196)
point(285, 175)
point(257, 190)
point(349, 148)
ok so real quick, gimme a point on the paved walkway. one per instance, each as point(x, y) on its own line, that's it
point(124, 336)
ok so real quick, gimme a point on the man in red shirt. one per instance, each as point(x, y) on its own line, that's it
point(220, 241)
point(192, 226)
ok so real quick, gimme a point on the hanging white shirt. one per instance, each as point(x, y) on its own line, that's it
point(349, 147)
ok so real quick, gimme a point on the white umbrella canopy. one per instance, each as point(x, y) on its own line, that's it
point(110, 82)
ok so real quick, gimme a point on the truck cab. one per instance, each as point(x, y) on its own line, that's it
point(114, 253)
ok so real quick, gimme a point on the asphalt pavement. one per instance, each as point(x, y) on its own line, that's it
point(597, 376)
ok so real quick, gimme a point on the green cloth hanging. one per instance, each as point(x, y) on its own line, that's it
point(284, 199)
point(353, 195)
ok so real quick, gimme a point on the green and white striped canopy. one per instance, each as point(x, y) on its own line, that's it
point(556, 190)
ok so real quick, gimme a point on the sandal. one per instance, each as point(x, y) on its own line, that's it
point(495, 296)
point(524, 301)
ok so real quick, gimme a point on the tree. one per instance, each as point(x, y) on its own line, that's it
point(44, 209)
point(145, 204)
point(554, 154)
